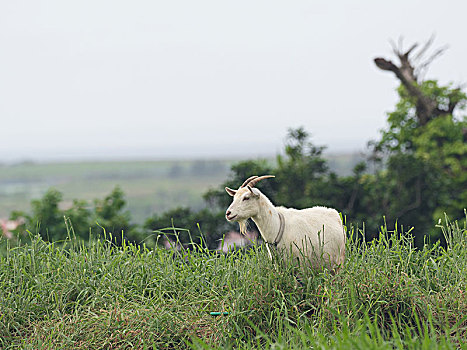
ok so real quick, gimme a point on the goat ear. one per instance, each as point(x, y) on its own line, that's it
point(230, 191)
point(252, 192)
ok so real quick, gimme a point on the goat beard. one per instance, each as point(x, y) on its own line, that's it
point(243, 226)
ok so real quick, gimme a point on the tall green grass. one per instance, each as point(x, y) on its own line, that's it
point(79, 295)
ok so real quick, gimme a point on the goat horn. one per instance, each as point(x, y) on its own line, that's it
point(257, 179)
point(247, 181)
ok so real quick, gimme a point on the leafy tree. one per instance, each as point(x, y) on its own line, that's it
point(48, 217)
point(112, 217)
point(424, 145)
point(302, 172)
point(53, 223)
point(79, 218)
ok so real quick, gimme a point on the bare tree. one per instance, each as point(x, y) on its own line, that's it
point(412, 65)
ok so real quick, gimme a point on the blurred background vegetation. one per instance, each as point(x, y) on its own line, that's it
point(411, 176)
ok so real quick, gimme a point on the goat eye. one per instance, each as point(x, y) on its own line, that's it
point(246, 198)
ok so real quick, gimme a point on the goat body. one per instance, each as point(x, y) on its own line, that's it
point(314, 235)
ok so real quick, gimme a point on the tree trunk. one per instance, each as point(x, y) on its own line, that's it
point(426, 107)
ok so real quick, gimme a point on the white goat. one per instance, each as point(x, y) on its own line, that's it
point(313, 234)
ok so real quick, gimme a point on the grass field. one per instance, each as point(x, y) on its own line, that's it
point(75, 295)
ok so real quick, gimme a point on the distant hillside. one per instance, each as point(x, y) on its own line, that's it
point(149, 186)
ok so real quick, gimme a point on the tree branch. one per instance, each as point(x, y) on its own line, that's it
point(408, 74)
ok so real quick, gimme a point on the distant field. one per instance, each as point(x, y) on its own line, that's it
point(149, 186)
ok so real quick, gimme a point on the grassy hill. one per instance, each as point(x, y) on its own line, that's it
point(388, 295)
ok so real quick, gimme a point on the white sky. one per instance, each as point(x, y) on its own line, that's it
point(158, 79)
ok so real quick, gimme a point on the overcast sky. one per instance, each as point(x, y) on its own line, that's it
point(160, 79)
